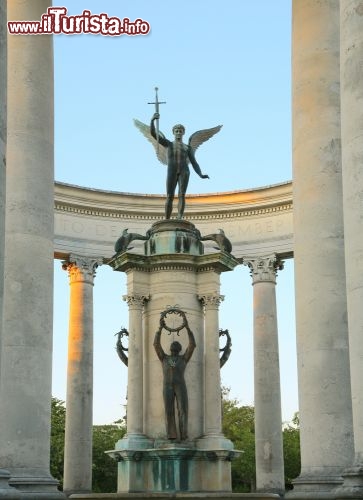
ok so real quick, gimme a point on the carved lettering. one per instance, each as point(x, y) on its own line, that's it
point(101, 230)
point(77, 227)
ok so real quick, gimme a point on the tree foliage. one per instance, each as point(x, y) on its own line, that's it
point(291, 440)
point(104, 468)
point(239, 427)
point(58, 423)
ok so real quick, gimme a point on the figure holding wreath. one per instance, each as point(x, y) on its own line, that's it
point(174, 386)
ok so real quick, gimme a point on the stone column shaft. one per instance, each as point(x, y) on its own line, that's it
point(79, 401)
point(321, 323)
point(268, 420)
point(212, 374)
point(3, 106)
point(351, 73)
point(135, 391)
point(26, 345)
point(5, 490)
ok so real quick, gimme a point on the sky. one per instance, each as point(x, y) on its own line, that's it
point(214, 63)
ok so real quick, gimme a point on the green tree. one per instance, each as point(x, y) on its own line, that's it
point(239, 427)
point(58, 422)
point(104, 468)
point(291, 440)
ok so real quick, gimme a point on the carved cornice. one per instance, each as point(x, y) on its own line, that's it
point(81, 268)
point(211, 215)
point(263, 268)
point(128, 206)
point(136, 301)
point(218, 262)
point(211, 301)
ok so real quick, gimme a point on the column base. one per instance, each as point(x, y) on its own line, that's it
point(314, 487)
point(214, 442)
point(134, 442)
point(33, 486)
point(352, 486)
point(7, 491)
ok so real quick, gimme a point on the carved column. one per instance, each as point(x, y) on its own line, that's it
point(135, 391)
point(212, 376)
point(26, 344)
point(78, 433)
point(351, 74)
point(320, 290)
point(268, 421)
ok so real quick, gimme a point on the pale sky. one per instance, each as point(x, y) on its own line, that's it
point(214, 63)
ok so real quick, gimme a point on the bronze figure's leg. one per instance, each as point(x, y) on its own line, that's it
point(182, 402)
point(169, 396)
point(171, 182)
point(183, 185)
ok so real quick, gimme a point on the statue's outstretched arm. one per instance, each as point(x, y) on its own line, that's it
point(157, 346)
point(191, 346)
point(162, 139)
point(195, 164)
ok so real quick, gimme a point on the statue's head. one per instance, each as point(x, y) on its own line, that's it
point(175, 348)
point(178, 130)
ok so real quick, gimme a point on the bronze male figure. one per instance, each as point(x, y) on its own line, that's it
point(174, 386)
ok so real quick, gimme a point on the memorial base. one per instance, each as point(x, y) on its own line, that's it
point(178, 496)
point(173, 467)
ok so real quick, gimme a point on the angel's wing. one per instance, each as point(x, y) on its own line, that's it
point(201, 136)
point(161, 151)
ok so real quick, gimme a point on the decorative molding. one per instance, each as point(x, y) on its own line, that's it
point(220, 213)
point(211, 301)
point(263, 268)
point(81, 268)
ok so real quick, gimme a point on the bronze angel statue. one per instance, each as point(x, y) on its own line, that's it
point(176, 155)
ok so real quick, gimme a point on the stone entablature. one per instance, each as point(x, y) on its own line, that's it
point(89, 221)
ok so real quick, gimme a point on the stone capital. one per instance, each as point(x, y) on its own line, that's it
point(136, 300)
point(263, 268)
point(81, 268)
point(211, 301)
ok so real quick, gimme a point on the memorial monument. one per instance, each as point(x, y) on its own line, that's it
point(325, 240)
point(174, 440)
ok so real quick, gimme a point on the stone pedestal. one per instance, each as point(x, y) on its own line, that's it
point(178, 496)
point(171, 468)
point(173, 273)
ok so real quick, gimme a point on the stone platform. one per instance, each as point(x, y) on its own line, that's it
point(178, 496)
